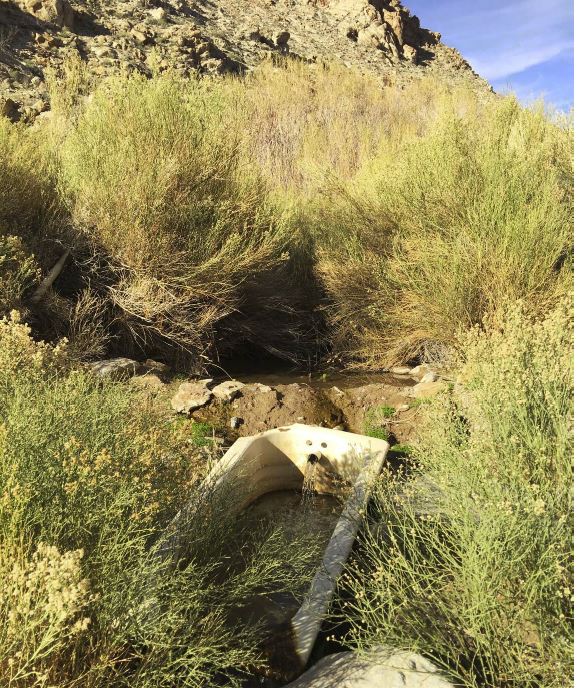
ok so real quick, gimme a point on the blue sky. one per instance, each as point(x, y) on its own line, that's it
point(520, 45)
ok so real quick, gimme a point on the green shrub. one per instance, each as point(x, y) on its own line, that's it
point(90, 475)
point(470, 562)
point(444, 228)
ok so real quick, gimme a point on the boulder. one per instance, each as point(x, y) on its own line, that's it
point(58, 12)
point(378, 668)
point(115, 368)
point(191, 396)
point(228, 390)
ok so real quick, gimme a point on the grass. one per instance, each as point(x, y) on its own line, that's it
point(470, 561)
point(442, 230)
point(301, 209)
point(90, 475)
point(375, 424)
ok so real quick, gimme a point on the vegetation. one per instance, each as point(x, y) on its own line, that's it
point(471, 560)
point(279, 212)
point(89, 477)
point(315, 214)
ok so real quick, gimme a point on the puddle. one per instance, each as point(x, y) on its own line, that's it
point(341, 380)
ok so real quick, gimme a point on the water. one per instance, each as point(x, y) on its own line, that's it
point(309, 481)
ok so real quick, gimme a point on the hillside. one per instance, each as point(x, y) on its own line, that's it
point(198, 36)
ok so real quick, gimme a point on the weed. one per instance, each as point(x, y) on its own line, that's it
point(470, 562)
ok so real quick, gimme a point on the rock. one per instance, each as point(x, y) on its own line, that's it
point(378, 668)
point(10, 109)
point(191, 396)
point(58, 12)
point(227, 391)
point(431, 376)
point(424, 390)
point(418, 372)
point(400, 370)
point(410, 54)
point(102, 51)
point(158, 14)
point(141, 37)
point(149, 383)
point(235, 422)
point(159, 369)
point(115, 368)
point(259, 387)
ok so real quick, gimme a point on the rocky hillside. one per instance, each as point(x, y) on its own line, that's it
point(210, 37)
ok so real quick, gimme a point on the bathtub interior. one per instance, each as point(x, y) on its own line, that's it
point(278, 460)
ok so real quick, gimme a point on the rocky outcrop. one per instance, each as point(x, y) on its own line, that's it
point(57, 12)
point(201, 37)
point(378, 668)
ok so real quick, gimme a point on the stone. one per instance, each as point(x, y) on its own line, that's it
point(9, 108)
point(58, 12)
point(423, 390)
point(191, 396)
point(431, 376)
point(235, 422)
point(151, 366)
point(418, 372)
point(400, 370)
point(228, 390)
point(149, 383)
point(140, 37)
point(158, 14)
point(115, 368)
point(410, 53)
point(378, 668)
point(259, 387)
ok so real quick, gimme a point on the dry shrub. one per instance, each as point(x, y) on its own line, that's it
point(29, 204)
point(302, 122)
point(442, 230)
point(471, 560)
point(18, 272)
point(153, 176)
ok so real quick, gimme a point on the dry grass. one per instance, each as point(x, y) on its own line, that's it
point(195, 247)
point(442, 230)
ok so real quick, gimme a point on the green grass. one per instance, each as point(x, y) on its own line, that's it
point(375, 424)
point(470, 560)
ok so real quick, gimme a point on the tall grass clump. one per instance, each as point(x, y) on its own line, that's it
point(194, 248)
point(303, 123)
point(90, 475)
point(444, 228)
point(470, 562)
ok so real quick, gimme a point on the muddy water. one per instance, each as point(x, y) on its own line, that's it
point(342, 380)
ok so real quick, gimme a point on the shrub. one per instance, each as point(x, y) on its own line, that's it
point(443, 229)
point(29, 204)
point(153, 176)
point(90, 475)
point(18, 272)
point(470, 561)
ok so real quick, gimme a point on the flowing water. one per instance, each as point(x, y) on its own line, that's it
point(308, 489)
